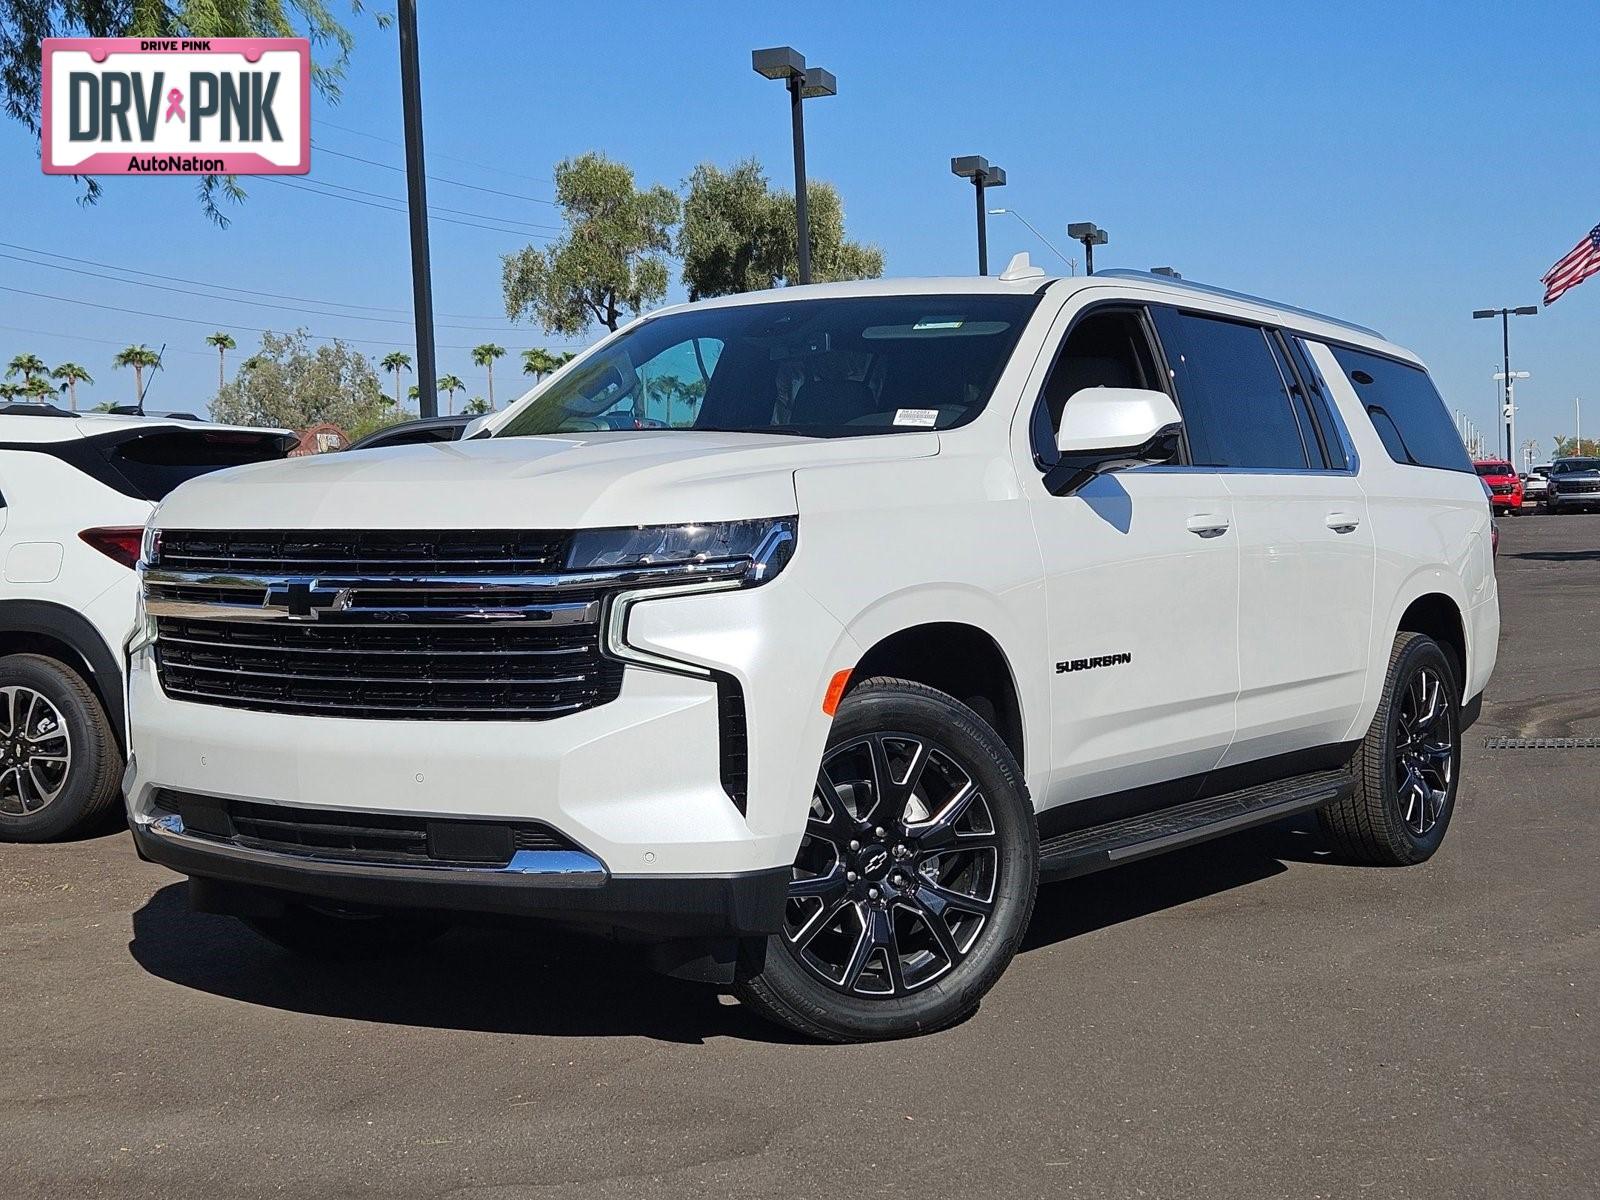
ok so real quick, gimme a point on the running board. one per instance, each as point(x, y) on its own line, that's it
point(1081, 851)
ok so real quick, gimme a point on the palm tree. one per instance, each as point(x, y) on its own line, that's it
point(10, 391)
point(397, 362)
point(223, 342)
point(484, 356)
point(137, 357)
point(476, 407)
point(450, 385)
point(71, 375)
point(539, 362)
point(26, 365)
point(565, 357)
point(39, 389)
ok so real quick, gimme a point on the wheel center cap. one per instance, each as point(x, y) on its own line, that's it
point(874, 861)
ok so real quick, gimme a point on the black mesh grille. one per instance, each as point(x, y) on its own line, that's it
point(734, 741)
point(366, 551)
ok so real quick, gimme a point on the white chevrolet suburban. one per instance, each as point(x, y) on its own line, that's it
point(800, 635)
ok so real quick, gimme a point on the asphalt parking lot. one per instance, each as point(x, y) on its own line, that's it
point(1245, 1019)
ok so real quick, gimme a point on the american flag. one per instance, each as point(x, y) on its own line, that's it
point(1582, 261)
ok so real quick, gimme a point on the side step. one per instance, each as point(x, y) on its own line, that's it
point(1081, 851)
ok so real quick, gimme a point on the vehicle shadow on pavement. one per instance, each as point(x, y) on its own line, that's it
point(529, 978)
point(525, 978)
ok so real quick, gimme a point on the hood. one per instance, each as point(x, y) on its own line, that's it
point(575, 481)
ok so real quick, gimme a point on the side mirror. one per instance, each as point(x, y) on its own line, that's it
point(1111, 429)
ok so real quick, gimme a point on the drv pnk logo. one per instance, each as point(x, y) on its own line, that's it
point(171, 106)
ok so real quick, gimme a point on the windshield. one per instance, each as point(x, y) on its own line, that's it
point(1576, 464)
point(822, 368)
point(1493, 468)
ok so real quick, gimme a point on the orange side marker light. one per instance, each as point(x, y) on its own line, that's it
point(835, 693)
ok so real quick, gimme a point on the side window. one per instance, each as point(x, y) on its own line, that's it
point(1406, 410)
point(1237, 407)
point(672, 385)
point(1104, 348)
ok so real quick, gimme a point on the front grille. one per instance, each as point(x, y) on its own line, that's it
point(348, 836)
point(1502, 489)
point(380, 625)
point(1579, 485)
point(365, 551)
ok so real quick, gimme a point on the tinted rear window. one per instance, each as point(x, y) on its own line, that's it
point(1493, 468)
point(155, 463)
point(1406, 410)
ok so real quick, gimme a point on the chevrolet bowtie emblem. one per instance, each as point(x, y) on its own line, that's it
point(304, 600)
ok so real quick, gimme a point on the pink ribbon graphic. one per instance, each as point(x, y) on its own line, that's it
point(175, 106)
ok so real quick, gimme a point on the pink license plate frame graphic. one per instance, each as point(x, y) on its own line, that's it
point(217, 162)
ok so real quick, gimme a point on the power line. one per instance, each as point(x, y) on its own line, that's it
point(222, 287)
point(372, 162)
point(434, 208)
point(137, 312)
point(315, 191)
point(482, 166)
point(162, 287)
point(80, 337)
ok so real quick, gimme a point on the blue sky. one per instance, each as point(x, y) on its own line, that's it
point(1396, 164)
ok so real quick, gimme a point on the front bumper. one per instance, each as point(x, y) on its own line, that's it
point(561, 885)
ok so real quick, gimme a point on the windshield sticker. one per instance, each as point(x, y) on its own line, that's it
point(926, 418)
point(939, 323)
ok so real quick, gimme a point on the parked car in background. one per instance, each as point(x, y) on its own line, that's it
point(1536, 484)
point(416, 433)
point(75, 493)
point(931, 590)
point(1574, 485)
point(1505, 489)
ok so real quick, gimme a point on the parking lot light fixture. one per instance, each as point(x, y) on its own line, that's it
point(983, 175)
point(804, 83)
point(1091, 235)
point(1508, 411)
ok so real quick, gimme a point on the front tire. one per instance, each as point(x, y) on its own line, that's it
point(60, 766)
point(1409, 765)
point(916, 877)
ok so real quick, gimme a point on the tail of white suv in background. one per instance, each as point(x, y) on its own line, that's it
point(812, 629)
point(75, 493)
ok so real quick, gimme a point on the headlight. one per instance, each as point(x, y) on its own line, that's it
point(763, 546)
point(150, 546)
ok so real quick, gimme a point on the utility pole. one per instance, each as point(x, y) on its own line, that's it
point(417, 201)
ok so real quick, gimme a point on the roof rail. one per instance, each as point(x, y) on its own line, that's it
point(1228, 294)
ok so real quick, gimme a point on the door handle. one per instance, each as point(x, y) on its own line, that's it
point(1342, 522)
point(1207, 526)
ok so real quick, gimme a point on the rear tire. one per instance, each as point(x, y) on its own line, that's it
point(916, 878)
point(60, 765)
point(1409, 766)
point(332, 934)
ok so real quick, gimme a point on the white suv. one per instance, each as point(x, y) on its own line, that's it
point(75, 493)
point(801, 634)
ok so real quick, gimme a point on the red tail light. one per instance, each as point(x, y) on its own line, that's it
point(119, 542)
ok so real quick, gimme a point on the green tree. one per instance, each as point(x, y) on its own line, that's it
point(396, 362)
point(484, 356)
point(450, 385)
point(39, 389)
point(612, 260)
point(738, 234)
point(539, 362)
point(10, 391)
point(26, 365)
point(71, 375)
point(476, 407)
point(24, 24)
point(1567, 447)
point(137, 357)
point(223, 342)
point(296, 385)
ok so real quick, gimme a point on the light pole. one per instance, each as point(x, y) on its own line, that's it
point(1577, 413)
point(1072, 267)
point(978, 169)
point(804, 83)
point(417, 202)
point(1510, 412)
point(1505, 315)
point(1091, 235)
